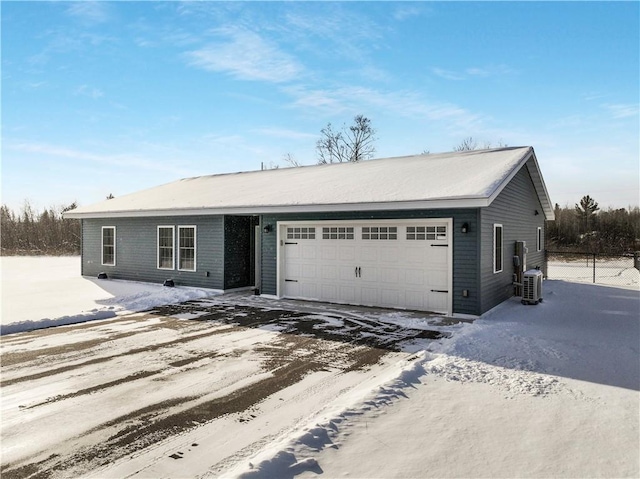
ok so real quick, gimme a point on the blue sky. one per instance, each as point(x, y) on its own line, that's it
point(114, 97)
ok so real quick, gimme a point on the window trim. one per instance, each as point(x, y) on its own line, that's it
point(102, 262)
point(497, 226)
point(539, 239)
point(173, 246)
point(195, 247)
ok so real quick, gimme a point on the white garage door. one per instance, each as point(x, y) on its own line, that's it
point(397, 264)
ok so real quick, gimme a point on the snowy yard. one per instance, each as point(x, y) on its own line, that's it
point(615, 272)
point(240, 386)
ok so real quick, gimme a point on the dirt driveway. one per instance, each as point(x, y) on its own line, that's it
point(209, 381)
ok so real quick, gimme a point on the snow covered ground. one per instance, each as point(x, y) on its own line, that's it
point(48, 291)
point(614, 272)
point(550, 390)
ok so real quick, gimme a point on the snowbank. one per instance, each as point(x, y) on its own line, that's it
point(44, 291)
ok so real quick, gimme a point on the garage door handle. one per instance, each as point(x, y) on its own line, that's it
point(291, 280)
point(443, 245)
point(439, 291)
point(286, 242)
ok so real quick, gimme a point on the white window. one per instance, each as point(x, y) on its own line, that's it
point(539, 239)
point(338, 232)
point(497, 248)
point(187, 248)
point(166, 252)
point(301, 233)
point(430, 233)
point(109, 245)
point(380, 233)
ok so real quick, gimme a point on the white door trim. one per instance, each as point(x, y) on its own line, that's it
point(281, 237)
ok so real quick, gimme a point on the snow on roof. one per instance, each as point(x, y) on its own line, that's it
point(458, 179)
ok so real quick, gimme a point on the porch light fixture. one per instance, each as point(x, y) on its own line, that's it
point(267, 228)
point(465, 228)
point(536, 213)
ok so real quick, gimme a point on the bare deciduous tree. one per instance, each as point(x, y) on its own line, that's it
point(468, 144)
point(290, 160)
point(355, 143)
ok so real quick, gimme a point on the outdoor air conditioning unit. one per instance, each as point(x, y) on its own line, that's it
point(532, 287)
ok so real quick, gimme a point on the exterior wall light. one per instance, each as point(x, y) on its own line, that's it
point(267, 228)
point(465, 228)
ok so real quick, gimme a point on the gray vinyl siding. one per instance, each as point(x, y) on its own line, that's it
point(465, 248)
point(514, 209)
point(136, 250)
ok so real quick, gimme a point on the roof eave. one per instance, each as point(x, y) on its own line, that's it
point(457, 203)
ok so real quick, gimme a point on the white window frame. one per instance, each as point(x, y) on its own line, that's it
point(195, 247)
point(495, 245)
point(173, 246)
point(102, 262)
point(539, 239)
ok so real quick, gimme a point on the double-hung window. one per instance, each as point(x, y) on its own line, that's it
point(187, 248)
point(108, 245)
point(497, 248)
point(166, 254)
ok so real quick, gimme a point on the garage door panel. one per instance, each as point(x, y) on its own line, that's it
point(414, 277)
point(329, 292)
point(391, 297)
point(346, 273)
point(389, 254)
point(329, 252)
point(309, 290)
point(330, 272)
point(348, 294)
point(390, 276)
point(347, 253)
point(309, 271)
point(368, 254)
point(309, 252)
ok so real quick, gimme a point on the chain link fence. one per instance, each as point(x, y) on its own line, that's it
point(615, 270)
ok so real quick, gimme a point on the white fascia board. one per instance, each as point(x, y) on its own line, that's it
point(256, 210)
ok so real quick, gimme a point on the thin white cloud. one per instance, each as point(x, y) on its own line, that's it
point(91, 92)
point(490, 70)
point(128, 160)
point(89, 11)
point(405, 11)
point(447, 74)
point(331, 29)
point(619, 110)
point(404, 104)
point(473, 72)
point(247, 56)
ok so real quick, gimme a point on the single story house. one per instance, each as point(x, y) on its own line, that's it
point(432, 232)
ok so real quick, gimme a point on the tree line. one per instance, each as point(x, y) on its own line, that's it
point(31, 232)
point(586, 228)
